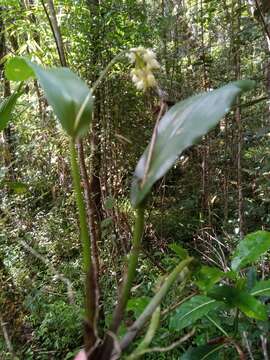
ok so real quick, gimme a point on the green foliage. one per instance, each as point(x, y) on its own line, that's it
point(191, 311)
point(204, 352)
point(68, 95)
point(137, 305)
point(40, 206)
point(16, 186)
point(250, 249)
point(207, 277)
point(178, 129)
point(240, 299)
point(58, 329)
point(7, 106)
point(179, 250)
point(18, 69)
point(262, 288)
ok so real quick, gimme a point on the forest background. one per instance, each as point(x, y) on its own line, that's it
point(217, 192)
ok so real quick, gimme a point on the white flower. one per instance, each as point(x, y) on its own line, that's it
point(153, 64)
point(140, 85)
point(132, 57)
point(145, 62)
point(150, 79)
point(148, 55)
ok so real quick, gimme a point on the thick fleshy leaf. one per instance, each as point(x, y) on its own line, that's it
point(250, 249)
point(207, 277)
point(240, 299)
point(180, 128)
point(191, 311)
point(262, 288)
point(68, 95)
point(7, 106)
point(204, 352)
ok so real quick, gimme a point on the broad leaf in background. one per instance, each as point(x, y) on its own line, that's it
point(17, 69)
point(240, 299)
point(262, 288)
point(137, 305)
point(68, 95)
point(207, 277)
point(7, 106)
point(250, 249)
point(179, 250)
point(191, 311)
point(251, 278)
point(180, 128)
point(204, 352)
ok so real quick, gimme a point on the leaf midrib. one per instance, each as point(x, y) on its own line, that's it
point(260, 291)
point(198, 307)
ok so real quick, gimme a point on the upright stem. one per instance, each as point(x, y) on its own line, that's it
point(106, 70)
point(180, 272)
point(86, 246)
point(132, 266)
point(108, 345)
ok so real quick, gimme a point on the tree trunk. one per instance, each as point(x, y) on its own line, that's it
point(237, 71)
point(8, 133)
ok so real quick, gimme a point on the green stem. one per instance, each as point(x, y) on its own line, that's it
point(133, 259)
point(107, 68)
point(132, 266)
point(118, 315)
point(180, 272)
point(144, 344)
point(86, 246)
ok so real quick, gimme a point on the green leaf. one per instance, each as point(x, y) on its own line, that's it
point(250, 249)
point(251, 278)
point(7, 106)
point(240, 299)
point(109, 203)
point(178, 129)
point(204, 352)
point(68, 95)
point(17, 186)
point(179, 250)
point(17, 69)
point(191, 311)
point(207, 277)
point(262, 288)
point(137, 305)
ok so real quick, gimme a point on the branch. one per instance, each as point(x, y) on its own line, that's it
point(144, 344)
point(55, 31)
point(6, 337)
point(263, 21)
point(181, 271)
point(47, 262)
point(177, 304)
point(173, 345)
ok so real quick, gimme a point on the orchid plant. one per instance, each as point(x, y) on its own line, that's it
point(175, 130)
